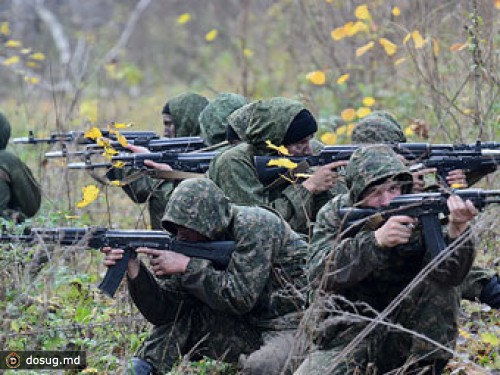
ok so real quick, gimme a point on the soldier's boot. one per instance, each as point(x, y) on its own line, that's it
point(491, 293)
point(138, 366)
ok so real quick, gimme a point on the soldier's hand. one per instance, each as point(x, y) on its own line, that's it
point(165, 262)
point(395, 231)
point(138, 149)
point(461, 212)
point(324, 178)
point(114, 255)
point(158, 166)
point(418, 179)
point(456, 179)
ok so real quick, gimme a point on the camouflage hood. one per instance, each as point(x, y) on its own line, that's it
point(185, 110)
point(198, 204)
point(371, 164)
point(269, 120)
point(4, 131)
point(213, 119)
point(239, 120)
point(378, 127)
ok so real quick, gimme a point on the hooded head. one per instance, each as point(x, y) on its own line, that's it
point(239, 119)
point(213, 119)
point(378, 127)
point(4, 131)
point(198, 204)
point(270, 119)
point(185, 110)
point(371, 165)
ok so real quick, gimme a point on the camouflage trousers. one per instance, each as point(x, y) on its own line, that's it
point(200, 332)
point(429, 319)
point(475, 281)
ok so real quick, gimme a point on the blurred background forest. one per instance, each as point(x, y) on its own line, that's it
point(68, 64)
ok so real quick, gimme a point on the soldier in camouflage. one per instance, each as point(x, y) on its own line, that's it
point(20, 194)
point(382, 127)
point(285, 122)
point(197, 309)
point(180, 116)
point(362, 274)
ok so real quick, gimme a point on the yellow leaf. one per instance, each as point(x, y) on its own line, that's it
point(211, 35)
point(4, 28)
point(356, 28)
point(350, 128)
point(395, 11)
point(281, 149)
point(70, 217)
point(467, 111)
point(497, 4)
point(389, 47)
point(37, 56)
point(317, 77)
point(348, 114)
point(183, 18)
point(338, 33)
point(342, 79)
point(32, 80)
point(368, 101)
point(409, 131)
point(363, 112)
point(121, 139)
point(435, 47)
point(32, 64)
point(362, 12)
point(115, 183)
point(88, 109)
point(285, 163)
point(90, 193)
point(90, 370)
point(11, 60)
point(362, 50)
point(329, 138)
point(347, 28)
point(109, 152)
point(121, 125)
point(247, 52)
point(399, 61)
point(341, 130)
point(13, 43)
point(417, 39)
point(490, 338)
point(406, 38)
point(25, 51)
point(93, 133)
point(458, 47)
point(102, 142)
point(118, 164)
point(464, 333)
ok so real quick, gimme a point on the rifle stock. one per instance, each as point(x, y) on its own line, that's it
point(426, 207)
point(218, 252)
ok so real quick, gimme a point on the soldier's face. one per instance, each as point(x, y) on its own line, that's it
point(169, 126)
point(186, 234)
point(380, 195)
point(301, 148)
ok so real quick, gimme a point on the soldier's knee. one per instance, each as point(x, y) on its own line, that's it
point(138, 366)
point(491, 293)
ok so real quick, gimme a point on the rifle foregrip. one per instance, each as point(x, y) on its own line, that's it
point(114, 275)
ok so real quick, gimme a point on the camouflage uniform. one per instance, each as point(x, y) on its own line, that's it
point(20, 195)
point(185, 110)
point(235, 173)
point(382, 127)
point(214, 118)
point(358, 277)
point(231, 312)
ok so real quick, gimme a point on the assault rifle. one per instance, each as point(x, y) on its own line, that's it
point(77, 136)
point(426, 207)
point(218, 252)
point(413, 152)
point(181, 144)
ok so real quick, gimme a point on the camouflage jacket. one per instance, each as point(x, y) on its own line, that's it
point(264, 280)
point(20, 194)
